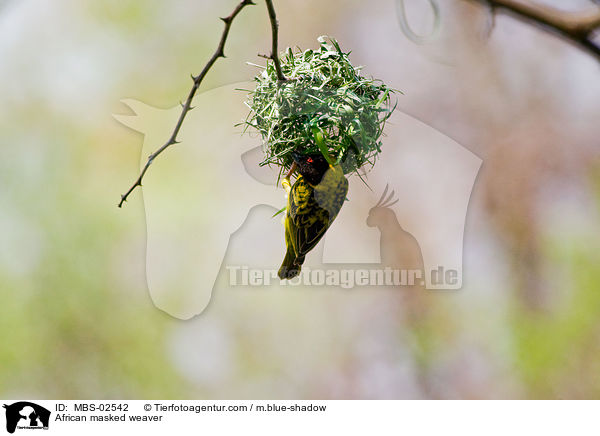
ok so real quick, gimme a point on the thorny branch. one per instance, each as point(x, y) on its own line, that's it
point(187, 106)
point(576, 27)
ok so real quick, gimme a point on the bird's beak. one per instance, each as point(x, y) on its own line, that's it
point(291, 171)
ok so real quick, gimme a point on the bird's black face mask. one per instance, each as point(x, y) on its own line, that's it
point(311, 166)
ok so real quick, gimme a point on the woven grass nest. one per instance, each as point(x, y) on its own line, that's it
point(325, 106)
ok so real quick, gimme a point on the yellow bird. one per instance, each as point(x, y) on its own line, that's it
point(313, 203)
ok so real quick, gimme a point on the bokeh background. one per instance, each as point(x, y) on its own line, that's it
point(75, 314)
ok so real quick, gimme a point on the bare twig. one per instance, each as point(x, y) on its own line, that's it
point(187, 106)
point(576, 27)
point(274, 31)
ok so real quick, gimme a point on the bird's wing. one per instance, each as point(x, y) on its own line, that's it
point(331, 193)
point(307, 221)
point(310, 230)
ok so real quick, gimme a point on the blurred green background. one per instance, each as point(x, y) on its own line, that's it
point(75, 314)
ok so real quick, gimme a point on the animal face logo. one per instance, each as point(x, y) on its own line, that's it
point(209, 204)
point(26, 415)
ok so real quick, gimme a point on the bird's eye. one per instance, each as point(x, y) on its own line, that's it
point(309, 160)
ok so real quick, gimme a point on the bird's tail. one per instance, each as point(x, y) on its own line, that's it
point(291, 266)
